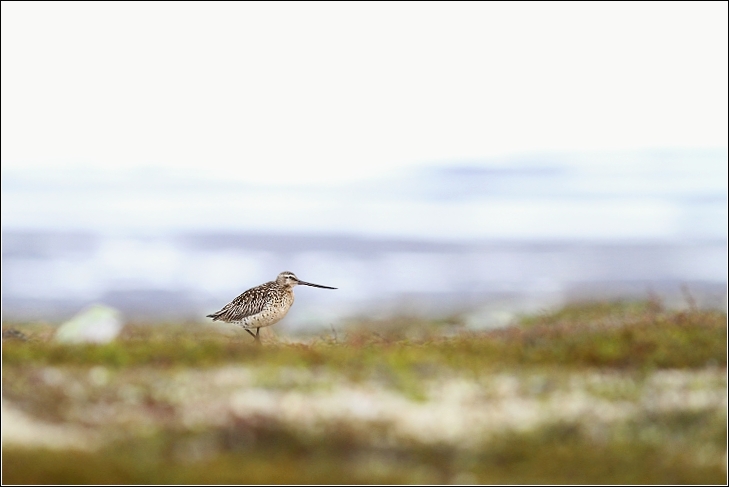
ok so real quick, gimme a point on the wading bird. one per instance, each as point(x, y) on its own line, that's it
point(262, 305)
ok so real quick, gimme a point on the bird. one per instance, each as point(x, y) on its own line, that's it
point(262, 305)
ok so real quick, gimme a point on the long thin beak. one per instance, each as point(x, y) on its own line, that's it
point(315, 285)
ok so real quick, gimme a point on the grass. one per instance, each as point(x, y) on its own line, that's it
point(654, 378)
point(267, 454)
point(566, 338)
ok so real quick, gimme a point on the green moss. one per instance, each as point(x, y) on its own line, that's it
point(260, 453)
point(583, 313)
point(677, 340)
point(152, 369)
point(574, 338)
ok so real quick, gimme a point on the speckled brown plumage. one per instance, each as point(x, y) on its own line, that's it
point(262, 305)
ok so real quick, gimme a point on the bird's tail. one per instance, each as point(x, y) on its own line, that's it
point(214, 316)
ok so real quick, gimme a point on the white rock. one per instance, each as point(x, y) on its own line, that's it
point(95, 324)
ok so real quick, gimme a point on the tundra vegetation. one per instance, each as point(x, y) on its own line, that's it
point(601, 392)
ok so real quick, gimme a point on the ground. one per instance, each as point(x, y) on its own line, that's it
point(623, 392)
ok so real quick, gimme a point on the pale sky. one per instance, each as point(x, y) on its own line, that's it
point(328, 92)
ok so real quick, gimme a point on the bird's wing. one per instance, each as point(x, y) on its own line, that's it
point(249, 303)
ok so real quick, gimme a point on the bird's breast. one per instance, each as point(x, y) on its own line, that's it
point(273, 312)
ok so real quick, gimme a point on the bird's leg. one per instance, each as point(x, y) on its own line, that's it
point(258, 339)
point(249, 331)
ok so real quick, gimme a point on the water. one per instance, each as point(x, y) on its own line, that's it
point(491, 238)
point(186, 276)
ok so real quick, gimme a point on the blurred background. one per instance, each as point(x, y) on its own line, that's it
point(487, 159)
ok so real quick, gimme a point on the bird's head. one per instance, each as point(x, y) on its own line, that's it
point(289, 279)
